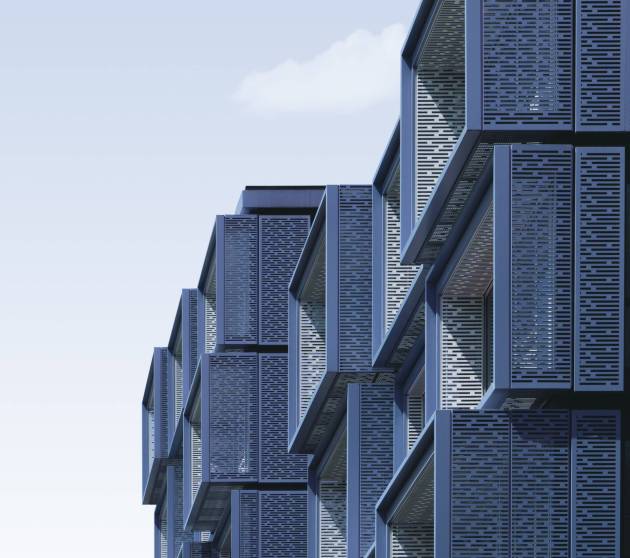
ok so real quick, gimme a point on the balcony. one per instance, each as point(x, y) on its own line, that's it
point(459, 98)
point(220, 435)
point(330, 315)
point(481, 482)
point(155, 429)
point(254, 256)
point(235, 432)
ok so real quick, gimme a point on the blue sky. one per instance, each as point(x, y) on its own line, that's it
point(125, 127)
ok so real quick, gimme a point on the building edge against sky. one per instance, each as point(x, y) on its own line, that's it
point(432, 364)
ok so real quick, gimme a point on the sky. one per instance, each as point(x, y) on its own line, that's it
point(125, 127)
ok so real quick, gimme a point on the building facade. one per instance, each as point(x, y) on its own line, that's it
point(449, 362)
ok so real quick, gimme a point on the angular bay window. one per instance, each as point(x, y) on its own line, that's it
point(220, 435)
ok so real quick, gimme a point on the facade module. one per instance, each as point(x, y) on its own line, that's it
point(431, 365)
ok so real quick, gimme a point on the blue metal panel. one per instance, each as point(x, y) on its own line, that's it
point(540, 232)
point(282, 524)
point(601, 65)
point(599, 269)
point(539, 484)
point(276, 465)
point(528, 64)
point(192, 335)
point(268, 524)
point(370, 458)
point(355, 279)
point(480, 479)
point(281, 238)
point(596, 487)
point(230, 431)
point(237, 280)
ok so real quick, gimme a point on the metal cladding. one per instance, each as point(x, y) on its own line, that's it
point(431, 365)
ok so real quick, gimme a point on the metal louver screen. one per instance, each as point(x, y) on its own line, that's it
point(412, 539)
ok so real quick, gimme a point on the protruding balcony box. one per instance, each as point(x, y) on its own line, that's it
point(253, 256)
point(398, 290)
point(220, 435)
point(182, 361)
point(540, 482)
point(496, 332)
point(155, 429)
point(480, 72)
point(264, 523)
point(330, 315)
point(235, 432)
point(347, 478)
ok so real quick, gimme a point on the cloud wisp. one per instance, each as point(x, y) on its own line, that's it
point(351, 75)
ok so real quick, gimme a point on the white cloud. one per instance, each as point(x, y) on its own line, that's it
point(351, 75)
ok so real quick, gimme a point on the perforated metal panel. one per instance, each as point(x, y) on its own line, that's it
point(527, 63)
point(275, 462)
point(191, 342)
point(596, 471)
point(480, 480)
point(415, 417)
point(233, 394)
point(541, 231)
point(439, 98)
point(210, 308)
point(178, 376)
point(240, 285)
point(281, 240)
point(599, 65)
point(398, 278)
point(312, 330)
point(160, 374)
point(248, 525)
point(332, 520)
point(599, 268)
point(282, 524)
point(412, 539)
point(355, 279)
point(164, 531)
point(461, 352)
point(180, 534)
point(196, 467)
point(539, 484)
point(376, 453)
